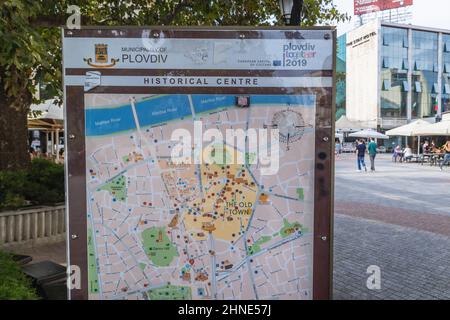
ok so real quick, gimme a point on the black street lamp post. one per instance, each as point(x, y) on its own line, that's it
point(292, 10)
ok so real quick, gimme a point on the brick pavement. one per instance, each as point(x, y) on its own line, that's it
point(435, 223)
point(414, 264)
point(398, 219)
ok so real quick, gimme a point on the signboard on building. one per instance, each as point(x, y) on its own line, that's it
point(200, 162)
point(368, 6)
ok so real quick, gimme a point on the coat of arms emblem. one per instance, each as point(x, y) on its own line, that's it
point(101, 53)
point(101, 57)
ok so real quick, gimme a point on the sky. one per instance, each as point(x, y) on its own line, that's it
point(427, 13)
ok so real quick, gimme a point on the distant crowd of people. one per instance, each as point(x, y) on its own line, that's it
point(426, 149)
point(399, 154)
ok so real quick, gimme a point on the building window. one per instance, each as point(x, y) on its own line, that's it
point(447, 46)
point(446, 88)
point(405, 64)
point(435, 67)
point(406, 87)
point(435, 88)
point(418, 86)
point(405, 42)
point(445, 103)
point(446, 67)
point(398, 77)
point(418, 66)
point(386, 64)
point(386, 85)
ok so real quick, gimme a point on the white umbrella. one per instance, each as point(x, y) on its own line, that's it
point(346, 125)
point(437, 129)
point(368, 133)
point(408, 129)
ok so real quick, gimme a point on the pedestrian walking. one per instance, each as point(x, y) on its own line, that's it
point(446, 148)
point(372, 148)
point(360, 154)
point(338, 147)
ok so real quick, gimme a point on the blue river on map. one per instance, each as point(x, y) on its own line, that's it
point(164, 108)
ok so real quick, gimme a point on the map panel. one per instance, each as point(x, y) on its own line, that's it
point(158, 229)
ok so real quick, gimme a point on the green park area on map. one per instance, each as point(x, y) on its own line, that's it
point(256, 246)
point(290, 228)
point(287, 229)
point(92, 265)
point(170, 292)
point(158, 247)
point(117, 188)
point(301, 194)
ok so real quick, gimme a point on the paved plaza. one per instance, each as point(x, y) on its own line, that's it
point(398, 219)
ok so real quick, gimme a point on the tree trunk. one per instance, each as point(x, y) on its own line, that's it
point(14, 150)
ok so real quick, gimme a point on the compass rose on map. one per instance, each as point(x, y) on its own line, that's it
point(290, 124)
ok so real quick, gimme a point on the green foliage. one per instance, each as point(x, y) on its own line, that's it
point(321, 12)
point(14, 285)
point(22, 50)
point(42, 184)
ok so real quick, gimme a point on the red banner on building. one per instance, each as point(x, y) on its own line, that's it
point(368, 6)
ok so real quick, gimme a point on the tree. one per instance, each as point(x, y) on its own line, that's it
point(30, 50)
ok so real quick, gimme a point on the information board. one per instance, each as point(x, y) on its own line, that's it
point(200, 162)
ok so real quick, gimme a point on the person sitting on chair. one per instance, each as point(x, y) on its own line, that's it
point(446, 148)
point(436, 150)
point(397, 153)
point(407, 154)
point(426, 147)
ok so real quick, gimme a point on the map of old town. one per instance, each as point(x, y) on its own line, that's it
point(213, 230)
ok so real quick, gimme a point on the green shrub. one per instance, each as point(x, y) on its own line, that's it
point(42, 184)
point(14, 285)
point(11, 184)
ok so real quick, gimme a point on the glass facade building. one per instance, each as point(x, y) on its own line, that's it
point(394, 73)
point(445, 100)
point(340, 75)
point(425, 73)
point(415, 72)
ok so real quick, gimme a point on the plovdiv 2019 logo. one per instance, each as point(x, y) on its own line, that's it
point(101, 57)
point(298, 54)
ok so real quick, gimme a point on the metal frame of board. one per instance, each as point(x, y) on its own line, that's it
point(324, 134)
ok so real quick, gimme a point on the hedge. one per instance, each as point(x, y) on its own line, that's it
point(14, 285)
point(42, 184)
